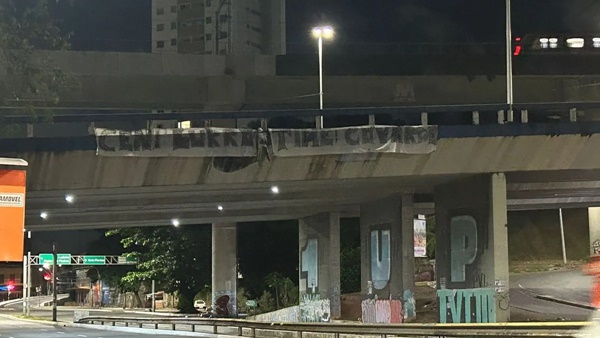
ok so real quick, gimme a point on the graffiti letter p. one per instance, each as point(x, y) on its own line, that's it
point(463, 246)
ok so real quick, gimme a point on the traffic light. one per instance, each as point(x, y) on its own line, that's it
point(47, 276)
point(10, 286)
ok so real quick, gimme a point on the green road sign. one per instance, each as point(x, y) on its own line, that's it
point(251, 303)
point(94, 260)
point(63, 259)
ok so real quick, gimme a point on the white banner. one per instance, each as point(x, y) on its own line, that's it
point(221, 142)
point(368, 139)
point(420, 237)
point(205, 142)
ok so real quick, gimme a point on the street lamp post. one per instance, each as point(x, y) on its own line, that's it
point(509, 61)
point(320, 33)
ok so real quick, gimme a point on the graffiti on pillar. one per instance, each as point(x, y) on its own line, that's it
point(410, 305)
point(463, 246)
point(467, 305)
point(225, 303)
point(380, 258)
point(382, 311)
point(596, 247)
point(310, 266)
point(313, 309)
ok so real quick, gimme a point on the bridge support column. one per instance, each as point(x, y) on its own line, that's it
point(594, 223)
point(319, 244)
point(224, 265)
point(472, 248)
point(387, 250)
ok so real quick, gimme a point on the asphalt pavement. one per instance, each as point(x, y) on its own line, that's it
point(11, 328)
point(529, 292)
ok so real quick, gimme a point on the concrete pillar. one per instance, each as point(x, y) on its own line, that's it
point(224, 264)
point(472, 240)
point(319, 244)
point(387, 247)
point(594, 224)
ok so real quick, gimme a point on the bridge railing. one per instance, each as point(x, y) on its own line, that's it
point(458, 120)
point(250, 328)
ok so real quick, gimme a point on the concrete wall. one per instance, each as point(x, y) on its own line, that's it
point(189, 81)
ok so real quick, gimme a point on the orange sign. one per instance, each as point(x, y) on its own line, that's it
point(12, 215)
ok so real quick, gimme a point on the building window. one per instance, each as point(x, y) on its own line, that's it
point(208, 19)
point(208, 37)
point(160, 27)
point(183, 7)
point(173, 9)
point(160, 44)
point(223, 52)
point(208, 3)
point(173, 25)
point(160, 11)
point(173, 42)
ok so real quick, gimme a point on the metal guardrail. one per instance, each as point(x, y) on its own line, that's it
point(72, 115)
point(500, 330)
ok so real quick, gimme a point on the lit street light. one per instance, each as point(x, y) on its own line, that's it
point(320, 33)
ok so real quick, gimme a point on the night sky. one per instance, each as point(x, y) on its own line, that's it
point(126, 24)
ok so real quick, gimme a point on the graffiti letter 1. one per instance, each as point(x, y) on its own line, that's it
point(380, 258)
point(463, 246)
point(310, 265)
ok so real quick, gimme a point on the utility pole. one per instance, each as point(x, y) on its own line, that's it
point(54, 279)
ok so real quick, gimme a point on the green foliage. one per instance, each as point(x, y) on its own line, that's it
point(286, 292)
point(33, 80)
point(179, 257)
point(266, 303)
point(431, 236)
point(350, 269)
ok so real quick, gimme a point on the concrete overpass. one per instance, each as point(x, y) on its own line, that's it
point(231, 83)
point(127, 191)
point(545, 167)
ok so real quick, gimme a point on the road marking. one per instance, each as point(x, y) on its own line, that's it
point(81, 335)
point(60, 332)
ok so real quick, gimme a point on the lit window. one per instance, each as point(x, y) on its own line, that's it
point(160, 11)
point(160, 44)
point(596, 42)
point(575, 42)
point(553, 42)
point(544, 42)
point(160, 27)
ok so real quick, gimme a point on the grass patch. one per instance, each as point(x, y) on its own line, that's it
point(34, 318)
point(544, 265)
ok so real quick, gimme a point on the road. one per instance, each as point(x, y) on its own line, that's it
point(569, 285)
point(11, 328)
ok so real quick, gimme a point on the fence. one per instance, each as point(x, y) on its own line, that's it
point(250, 328)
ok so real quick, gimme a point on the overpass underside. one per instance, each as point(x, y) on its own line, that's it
point(542, 172)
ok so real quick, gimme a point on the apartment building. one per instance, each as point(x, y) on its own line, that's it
point(219, 27)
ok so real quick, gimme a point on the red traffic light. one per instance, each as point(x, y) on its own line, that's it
point(47, 276)
point(10, 286)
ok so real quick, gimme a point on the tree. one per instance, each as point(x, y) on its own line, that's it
point(179, 257)
point(33, 80)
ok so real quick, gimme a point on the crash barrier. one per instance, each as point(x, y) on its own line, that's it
point(249, 328)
